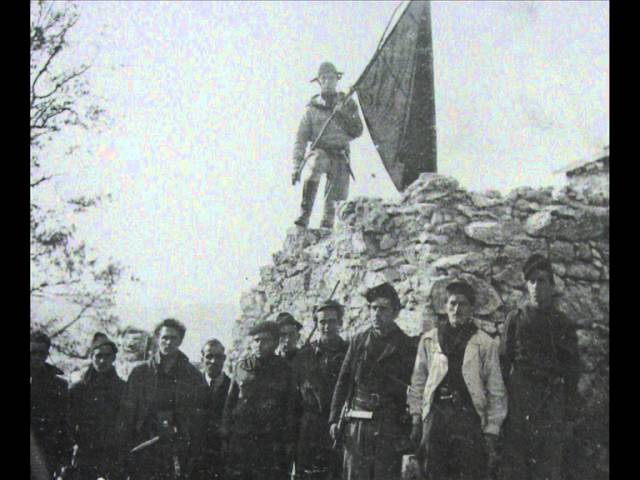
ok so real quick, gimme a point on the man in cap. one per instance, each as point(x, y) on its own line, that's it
point(316, 369)
point(541, 364)
point(330, 156)
point(49, 409)
point(258, 419)
point(457, 398)
point(370, 394)
point(95, 402)
point(289, 335)
point(213, 358)
point(164, 401)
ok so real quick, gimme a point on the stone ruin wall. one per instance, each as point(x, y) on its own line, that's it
point(439, 230)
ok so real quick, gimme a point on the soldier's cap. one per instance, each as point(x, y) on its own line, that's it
point(384, 290)
point(462, 288)
point(535, 262)
point(100, 340)
point(285, 318)
point(271, 328)
point(38, 336)
point(327, 67)
point(330, 305)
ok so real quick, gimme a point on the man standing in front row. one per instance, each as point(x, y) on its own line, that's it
point(164, 401)
point(542, 367)
point(317, 367)
point(457, 397)
point(330, 156)
point(371, 392)
point(258, 420)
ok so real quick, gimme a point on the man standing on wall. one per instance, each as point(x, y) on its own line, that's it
point(542, 367)
point(457, 397)
point(330, 156)
point(371, 393)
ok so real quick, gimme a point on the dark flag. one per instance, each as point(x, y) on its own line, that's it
point(396, 95)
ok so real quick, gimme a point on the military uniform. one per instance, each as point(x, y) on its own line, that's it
point(50, 443)
point(95, 402)
point(541, 364)
point(259, 419)
point(330, 157)
point(316, 368)
point(375, 374)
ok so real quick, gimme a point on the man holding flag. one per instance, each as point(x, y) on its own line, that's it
point(330, 122)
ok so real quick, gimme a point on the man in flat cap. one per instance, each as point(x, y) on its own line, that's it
point(95, 402)
point(49, 409)
point(258, 421)
point(457, 397)
point(289, 336)
point(164, 401)
point(542, 367)
point(370, 395)
point(330, 155)
point(316, 369)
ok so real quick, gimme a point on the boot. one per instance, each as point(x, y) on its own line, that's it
point(309, 190)
point(329, 214)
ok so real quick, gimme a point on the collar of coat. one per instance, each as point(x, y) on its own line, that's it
point(475, 338)
point(319, 102)
point(91, 375)
point(181, 361)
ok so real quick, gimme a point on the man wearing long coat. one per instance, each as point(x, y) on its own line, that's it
point(542, 367)
point(371, 390)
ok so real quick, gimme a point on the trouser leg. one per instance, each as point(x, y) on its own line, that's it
point(309, 191)
point(336, 189)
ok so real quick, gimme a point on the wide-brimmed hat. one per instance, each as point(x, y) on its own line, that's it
point(461, 287)
point(327, 67)
point(100, 340)
point(330, 305)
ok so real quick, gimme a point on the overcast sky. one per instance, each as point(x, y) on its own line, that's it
point(205, 98)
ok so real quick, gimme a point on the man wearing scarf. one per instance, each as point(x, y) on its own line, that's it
point(372, 391)
point(316, 368)
point(330, 156)
point(164, 401)
point(457, 396)
point(95, 401)
point(542, 368)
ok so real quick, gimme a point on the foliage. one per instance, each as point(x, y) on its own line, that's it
point(72, 293)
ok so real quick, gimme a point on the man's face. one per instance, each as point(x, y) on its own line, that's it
point(458, 309)
point(213, 357)
point(289, 336)
point(102, 358)
point(168, 341)
point(328, 82)
point(328, 324)
point(540, 288)
point(383, 313)
point(263, 344)
point(39, 354)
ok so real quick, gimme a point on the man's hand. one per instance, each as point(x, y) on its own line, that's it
point(295, 176)
point(333, 431)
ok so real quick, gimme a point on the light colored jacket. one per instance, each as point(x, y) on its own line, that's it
point(480, 370)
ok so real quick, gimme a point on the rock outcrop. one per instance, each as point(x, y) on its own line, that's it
point(438, 231)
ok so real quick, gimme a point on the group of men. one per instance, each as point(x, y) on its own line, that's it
point(327, 409)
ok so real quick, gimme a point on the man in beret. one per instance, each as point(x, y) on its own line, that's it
point(164, 400)
point(289, 336)
point(95, 401)
point(330, 156)
point(457, 398)
point(316, 368)
point(370, 394)
point(49, 409)
point(542, 366)
point(258, 421)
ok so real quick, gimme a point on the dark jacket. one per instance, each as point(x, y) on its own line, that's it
point(345, 126)
point(49, 416)
point(95, 402)
point(259, 416)
point(388, 375)
point(212, 441)
point(136, 423)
